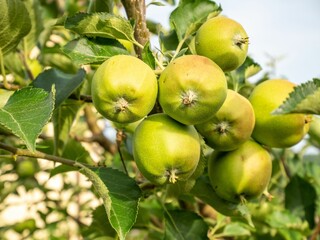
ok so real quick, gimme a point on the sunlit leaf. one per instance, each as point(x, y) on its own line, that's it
point(305, 98)
point(26, 112)
point(101, 25)
point(85, 51)
point(120, 195)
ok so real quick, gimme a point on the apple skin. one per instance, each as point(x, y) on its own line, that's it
point(224, 41)
point(165, 151)
point(276, 131)
point(240, 174)
point(124, 89)
point(231, 126)
point(191, 89)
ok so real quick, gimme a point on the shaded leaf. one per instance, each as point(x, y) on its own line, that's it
point(189, 15)
point(305, 98)
point(35, 13)
point(235, 229)
point(300, 198)
point(26, 112)
point(101, 25)
point(204, 191)
point(63, 119)
point(184, 225)
point(120, 195)
point(101, 6)
point(248, 69)
point(85, 51)
point(147, 56)
point(65, 84)
point(72, 150)
point(14, 25)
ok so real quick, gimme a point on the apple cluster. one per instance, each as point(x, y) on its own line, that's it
point(196, 107)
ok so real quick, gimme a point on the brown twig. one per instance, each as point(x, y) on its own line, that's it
point(97, 132)
point(136, 10)
point(38, 154)
point(316, 232)
point(120, 137)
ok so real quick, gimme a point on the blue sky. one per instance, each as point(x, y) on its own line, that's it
point(278, 29)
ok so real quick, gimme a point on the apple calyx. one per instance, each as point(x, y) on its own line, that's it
point(189, 98)
point(222, 127)
point(121, 105)
point(240, 41)
point(172, 175)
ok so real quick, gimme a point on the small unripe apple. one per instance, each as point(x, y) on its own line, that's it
point(224, 41)
point(231, 126)
point(278, 131)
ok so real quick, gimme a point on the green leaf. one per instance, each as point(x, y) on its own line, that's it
point(184, 225)
point(248, 69)
point(14, 25)
point(120, 195)
point(72, 150)
point(300, 198)
point(189, 15)
point(85, 51)
point(65, 84)
point(204, 191)
point(305, 98)
point(168, 41)
point(63, 119)
point(235, 229)
point(101, 25)
point(147, 56)
point(101, 6)
point(99, 227)
point(35, 13)
point(27, 111)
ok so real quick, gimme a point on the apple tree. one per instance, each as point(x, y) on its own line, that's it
point(167, 141)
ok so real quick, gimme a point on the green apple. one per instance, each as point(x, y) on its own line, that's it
point(124, 89)
point(240, 174)
point(224, 41)
point(192, 88)
point(231, 126)
point(278, 131)
point(165, 150)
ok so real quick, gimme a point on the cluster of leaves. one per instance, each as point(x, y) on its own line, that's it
point(51, 88)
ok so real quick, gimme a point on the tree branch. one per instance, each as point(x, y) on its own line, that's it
point(37, 154)
point(136, 10)
point(97, 132)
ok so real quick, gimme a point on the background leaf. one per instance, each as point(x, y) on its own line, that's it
point(65, 84)
point(147, 56)
point(101, 25)
point(184, 225)
point(85, 51)
point(63, 119)
point(14, 25)
point(189, 15)
point(101, 6)
point(35, 13)
point(27, 111)
point(300, 197)
point(304, 99)
point(120, 195)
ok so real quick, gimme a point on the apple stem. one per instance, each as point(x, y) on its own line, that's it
point(240, 41)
